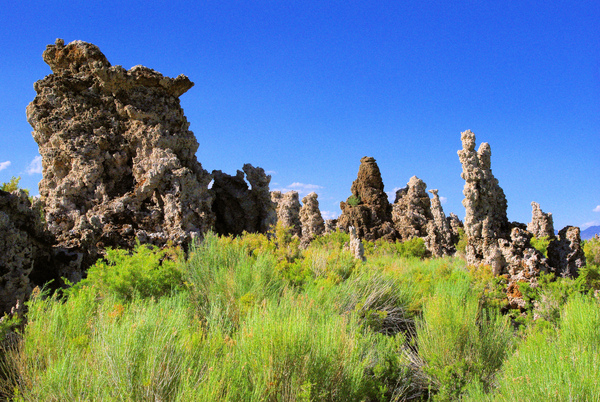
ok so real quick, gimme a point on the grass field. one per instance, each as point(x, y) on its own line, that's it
point(256, 318)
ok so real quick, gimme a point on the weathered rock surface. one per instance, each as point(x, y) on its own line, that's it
point(368, 208)
point(541, 224)
point(118, 159)
point(456, 226)
point(27, 256)
point(311, 220)
point(288, 210)
point(485, 202)
point(439, 240)
point(565, 253)
point(356, 247)
point(520, 262)
point(237, 207)
point(331, 225)
point(412, 210)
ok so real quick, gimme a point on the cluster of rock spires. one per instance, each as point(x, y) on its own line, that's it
point(306, 221)
point(119, 167)
point(413, 213)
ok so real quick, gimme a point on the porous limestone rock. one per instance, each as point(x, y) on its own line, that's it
point(368, 208)
point(412, 210)
point(541, 224)
point(356, 246)
point(439, 234)
point(330, 225)
point(311, 220)
point(118, 159)
point(565, 253)
point(27, 257)
point(288, 210)
point(238, 208)
point(520, 262)
point(456, 226)
point(485, 203)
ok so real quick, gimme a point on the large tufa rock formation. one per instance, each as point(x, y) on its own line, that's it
point(416, 215)
point(118, 159)
point(541, 224)
point(311, 220)
point(238, 208)
point(368, 208)
point(485, 203)
point(412, 210)
point(27, 257)
point(565, 253)
point(288, 210)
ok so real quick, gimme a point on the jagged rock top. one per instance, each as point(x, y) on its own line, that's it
point(81, 58)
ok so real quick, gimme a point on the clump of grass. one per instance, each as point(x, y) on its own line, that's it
point(461, 345)
point(557, 365)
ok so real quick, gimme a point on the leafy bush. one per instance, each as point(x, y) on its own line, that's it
point(541, 244)
point(591, 248)
point(145, 272)
point(412, 248)
point(12, 185)
point(461, 246)
point(460, 343)
point(557, 365)
point(353, 200)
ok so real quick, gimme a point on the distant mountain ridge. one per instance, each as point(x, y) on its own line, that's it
point(590, 232)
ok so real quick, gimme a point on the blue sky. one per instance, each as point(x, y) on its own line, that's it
point(305, 89)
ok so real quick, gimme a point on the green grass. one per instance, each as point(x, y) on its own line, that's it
point(256, 318)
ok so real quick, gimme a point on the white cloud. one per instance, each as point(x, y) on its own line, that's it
point(4, 165)
point(597, 209)
point(392, 194)
point(443, 200)
point(304, 187)
point(35, 167)
point(271, 172)
point(301, 188)
point(329, 215)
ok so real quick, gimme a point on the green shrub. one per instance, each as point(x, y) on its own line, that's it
point(461, 246)
point(541, 244)
point(558, 365)
point(460, 343)
point(354, 200)
point(591, 248)
point(12, 185)
point(145, 272)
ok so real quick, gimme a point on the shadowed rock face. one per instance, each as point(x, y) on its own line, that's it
point(27, 256)
point(238, 208)
point(118, 159)
point(541, 224)
point(439, 238)
point(565, 253)
point(288, 210)
point(372, 214)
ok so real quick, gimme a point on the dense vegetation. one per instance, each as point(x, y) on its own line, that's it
point(255, 318)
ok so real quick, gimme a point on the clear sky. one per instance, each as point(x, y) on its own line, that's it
point(305, 89)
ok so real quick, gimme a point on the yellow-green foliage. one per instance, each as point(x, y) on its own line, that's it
point(12, 185)
point(145, 272)
point(591, 248)
point(541, 244)
point(256, 318)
